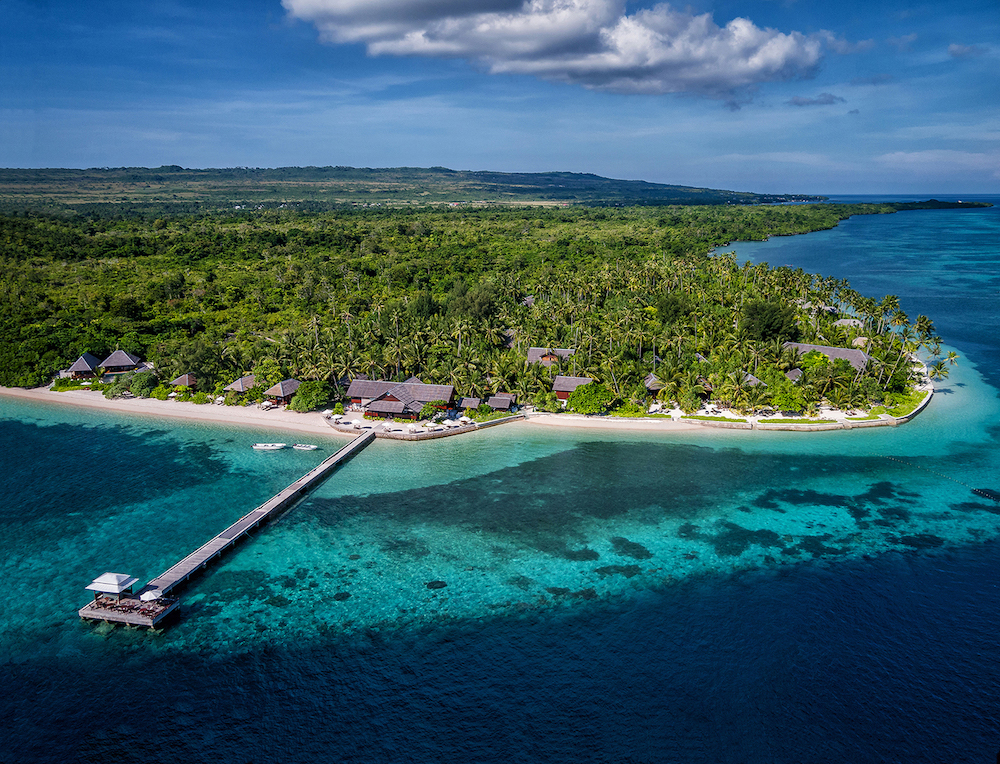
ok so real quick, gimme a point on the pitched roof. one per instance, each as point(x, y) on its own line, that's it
point(751, 380)
point(500, 401)
point(242, 384)
point(388, 407)
point(544, 355)
point(86, 362)
point(376, 388)
point(652, 383)
point(120, 358)
point(794, 375)
point(283, 389)
point(857, 358)
point(184, 380)
point(563, 384)
point(855, 322)
point(468, 403)
point(112, 583)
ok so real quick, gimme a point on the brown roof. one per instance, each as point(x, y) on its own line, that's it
point(563, 384)
point(469, 403)
point(185, 380)
point(388, 407)
point(544, 356)
point(652, 383)
point(501, 401)
point(376, 388)
point(242, 384)
point(283, 389)
point(120, 358)
point(86, 362)
point(857, 358)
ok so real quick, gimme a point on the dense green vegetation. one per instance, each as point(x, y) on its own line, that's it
point(450, 295)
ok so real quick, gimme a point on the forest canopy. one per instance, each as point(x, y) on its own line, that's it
point(452, 295)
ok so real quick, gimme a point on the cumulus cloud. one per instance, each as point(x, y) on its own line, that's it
point(903, 43)
point(594, 43)
point(941, 161)
point(823, 99)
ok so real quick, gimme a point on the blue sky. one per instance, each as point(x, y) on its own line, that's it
point(779, 96)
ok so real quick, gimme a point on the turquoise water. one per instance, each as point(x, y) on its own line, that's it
point(532, 592)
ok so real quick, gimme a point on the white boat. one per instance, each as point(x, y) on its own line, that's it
point(304, 446)
point(268, 446)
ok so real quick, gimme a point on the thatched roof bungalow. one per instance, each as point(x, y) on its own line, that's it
point(185, 380)
point(242, 384)
point(501, 401)
point(84, 367)
point(120, 362)
point(468, 403)
point(548, 356)
point(563, 386)
point(283, 391)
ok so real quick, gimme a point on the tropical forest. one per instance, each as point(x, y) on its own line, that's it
point(455, 294)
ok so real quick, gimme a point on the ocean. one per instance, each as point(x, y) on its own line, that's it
point(530, 593)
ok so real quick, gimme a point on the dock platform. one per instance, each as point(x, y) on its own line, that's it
point(133, 611)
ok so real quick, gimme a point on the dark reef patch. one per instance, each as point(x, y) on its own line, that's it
point(341, 596)
point(919, 541)
point(734, 539)
point(631, 549)
point(580, 555)
point(618, 570)
point(815, 546)
point(404, 547)
point(436, 584)
point(521, 582)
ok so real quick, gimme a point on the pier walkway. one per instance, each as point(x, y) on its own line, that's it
point(127, 610)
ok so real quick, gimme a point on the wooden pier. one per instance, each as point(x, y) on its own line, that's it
point(132, 610)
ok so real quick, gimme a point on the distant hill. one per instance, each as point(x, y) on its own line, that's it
point(337, 186)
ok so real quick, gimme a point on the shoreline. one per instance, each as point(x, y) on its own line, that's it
point(311, 423)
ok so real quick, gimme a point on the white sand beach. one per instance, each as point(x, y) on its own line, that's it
point(612, 423)
point(281, 419)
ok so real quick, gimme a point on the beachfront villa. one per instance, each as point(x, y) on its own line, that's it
point(282, 392)
point(242, 384)
point(185, 380)
point(502, 401)
point(398, 399)
point(85, 367)
point(120, 362)
point(563, 386)
point(548, 356)
point(468, 403)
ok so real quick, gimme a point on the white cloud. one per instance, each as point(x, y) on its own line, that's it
point(823, 99)
point(943, 161)
point(965, 51)
point(594, 43)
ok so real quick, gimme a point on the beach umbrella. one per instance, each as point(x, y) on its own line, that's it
point(152, 594)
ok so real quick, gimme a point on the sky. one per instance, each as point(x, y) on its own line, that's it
point(769, 96)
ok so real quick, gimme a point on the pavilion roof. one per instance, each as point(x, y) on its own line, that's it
point(857, 358)
point(563, 384)
point(242, 384)
point(283, 389)
point(120, 358)
point(86, 362)
point(112, 583)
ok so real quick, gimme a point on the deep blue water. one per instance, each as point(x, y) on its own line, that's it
point(744, 597)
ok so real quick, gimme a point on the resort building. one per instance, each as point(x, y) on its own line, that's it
point(857, 358)
point(548, 356)
point(398, 399)
point(849, 323)
point(468, 403)
point(85, 367)
point(502, 401)
point(563, 386)
point(242, 384)
point(185, 380)
point(283, 391)
point(120, 362)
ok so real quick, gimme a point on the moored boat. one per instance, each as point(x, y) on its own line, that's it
point(268, 446)
point(304, 446)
